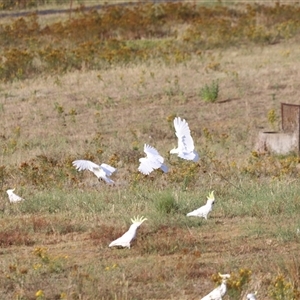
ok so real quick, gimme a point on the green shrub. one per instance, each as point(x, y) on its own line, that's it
point(166, 204)
point(209, 93)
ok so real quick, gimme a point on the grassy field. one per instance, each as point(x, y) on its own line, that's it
point(54, 245)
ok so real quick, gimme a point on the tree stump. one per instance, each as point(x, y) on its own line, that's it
point(277, 142)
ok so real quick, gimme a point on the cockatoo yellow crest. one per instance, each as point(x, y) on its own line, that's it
point(211, 196)
point(138, 219)
point(126, 239)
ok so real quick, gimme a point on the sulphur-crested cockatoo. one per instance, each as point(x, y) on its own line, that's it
point(204, 210)
point(13, 198)
point(152, 162)
point(126, 239)
point(251, 296)
point(185, 147)
point(103, 171)
point(219, 291)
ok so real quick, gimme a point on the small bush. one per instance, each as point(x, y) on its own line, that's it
point(210, 93)
point(281, 288)
point(166, 204)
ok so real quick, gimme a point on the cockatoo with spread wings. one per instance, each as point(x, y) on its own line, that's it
point(152, 162)
point(13, 198)
point(126, 239)
point(185, 147)
point(102, 171)
point(251, 296)
point(204, 210)
point(219, 291)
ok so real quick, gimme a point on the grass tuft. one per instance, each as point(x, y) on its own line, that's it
point(166, 204)
point(210, 93)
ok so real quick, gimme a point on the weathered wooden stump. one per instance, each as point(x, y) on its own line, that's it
point(277, 142)
point(287, 140)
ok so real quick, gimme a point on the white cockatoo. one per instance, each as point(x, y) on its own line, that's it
point(219, 291)
point(185, 147)
point(152, 162)
point(13, 198)
point(251, 296)
point(204, 210)
point(126, 239)
point(102, 171)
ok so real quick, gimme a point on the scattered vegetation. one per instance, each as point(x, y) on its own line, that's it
point(281, 289)
point(166, 204)
point(98, 86)
point(210, 93)
point(273, 118)
point(134, 34)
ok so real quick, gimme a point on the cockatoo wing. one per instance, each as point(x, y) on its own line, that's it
point(130, 234)
point(153, 154)
point(203, 211)
point(189, 155)
point(108, 169)
point(200, 212)
point(85, 165)
point(103, 171)
point(123, 241)
point(103, 176)
point(152, 162)
point(214, 295)
point(126, 238)
point(164, 168)
point(217, 293)
point(15, 198)
point(183, 133)
point(146, 166)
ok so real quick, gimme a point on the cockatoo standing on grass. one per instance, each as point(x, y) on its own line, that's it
point(219, 291)
point(126, 239)
point(103, 171)
point(204, 210)
point(152, 162)
point(13, 198)
point(185, 147)
point(251, 296)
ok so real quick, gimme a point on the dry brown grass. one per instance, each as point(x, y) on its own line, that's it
point(107, 116)
point(252, 81)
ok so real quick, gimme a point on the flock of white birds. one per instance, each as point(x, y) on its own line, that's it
point(148, 164)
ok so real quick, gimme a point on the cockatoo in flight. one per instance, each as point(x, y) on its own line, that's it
point(219, 291)
point(13, 198)
point(103, 171)
point(126, 239)
point(152, 162)
point(251, 296)
point(185, 147)
point(204, 210)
